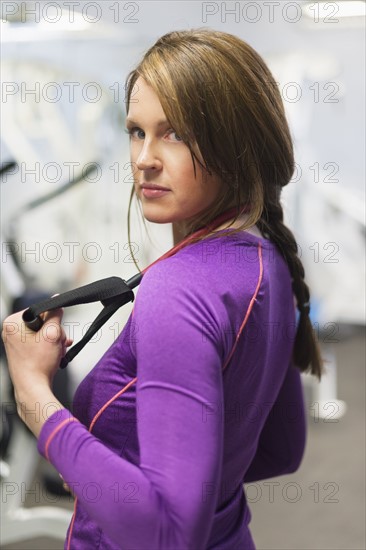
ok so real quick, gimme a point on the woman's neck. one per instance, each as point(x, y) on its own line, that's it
point(178, 234)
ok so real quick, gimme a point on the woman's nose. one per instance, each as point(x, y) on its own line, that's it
point(148, 157)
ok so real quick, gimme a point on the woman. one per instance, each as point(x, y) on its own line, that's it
point(201, 392)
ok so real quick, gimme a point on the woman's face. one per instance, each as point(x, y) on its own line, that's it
point(159, 156)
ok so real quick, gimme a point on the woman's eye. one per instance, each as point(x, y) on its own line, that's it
point(173, 132)
point(132, 131)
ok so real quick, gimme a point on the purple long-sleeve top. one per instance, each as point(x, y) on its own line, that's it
point(197, 396)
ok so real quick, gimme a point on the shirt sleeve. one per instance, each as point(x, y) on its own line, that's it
point(282, 441)
point(178, 392)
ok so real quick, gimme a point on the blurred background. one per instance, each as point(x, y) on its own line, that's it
point(65, 185)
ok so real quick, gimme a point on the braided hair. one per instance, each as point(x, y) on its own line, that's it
point(306, 351)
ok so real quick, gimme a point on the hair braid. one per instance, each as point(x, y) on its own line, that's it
point(306, 353)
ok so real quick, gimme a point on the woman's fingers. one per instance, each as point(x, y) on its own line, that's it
point(52, 329)
point(52, 320)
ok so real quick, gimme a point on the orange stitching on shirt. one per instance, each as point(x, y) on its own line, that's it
point(57, 429)
point(72, 524)
point(102, 409)
point(251, 304)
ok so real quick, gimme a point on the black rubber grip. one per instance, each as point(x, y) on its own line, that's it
point(34, 323)
point(112, 292)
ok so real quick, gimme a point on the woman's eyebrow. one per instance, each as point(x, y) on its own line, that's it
point(159, 123)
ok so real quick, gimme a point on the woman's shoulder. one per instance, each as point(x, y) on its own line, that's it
point(206, 266)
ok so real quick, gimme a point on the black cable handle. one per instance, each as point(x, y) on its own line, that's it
point(112, 292)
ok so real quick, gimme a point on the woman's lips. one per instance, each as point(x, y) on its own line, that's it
point(154, 193)
point(153, 186)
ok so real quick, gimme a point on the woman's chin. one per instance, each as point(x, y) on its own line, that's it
point(153, 216)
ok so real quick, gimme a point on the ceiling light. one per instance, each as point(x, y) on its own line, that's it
point(331, 12)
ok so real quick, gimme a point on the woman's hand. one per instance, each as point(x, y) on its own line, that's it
point(34, 355)
point(33, 360)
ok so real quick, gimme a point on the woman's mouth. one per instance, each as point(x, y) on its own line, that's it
point(154, 193)
point(153, 190)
